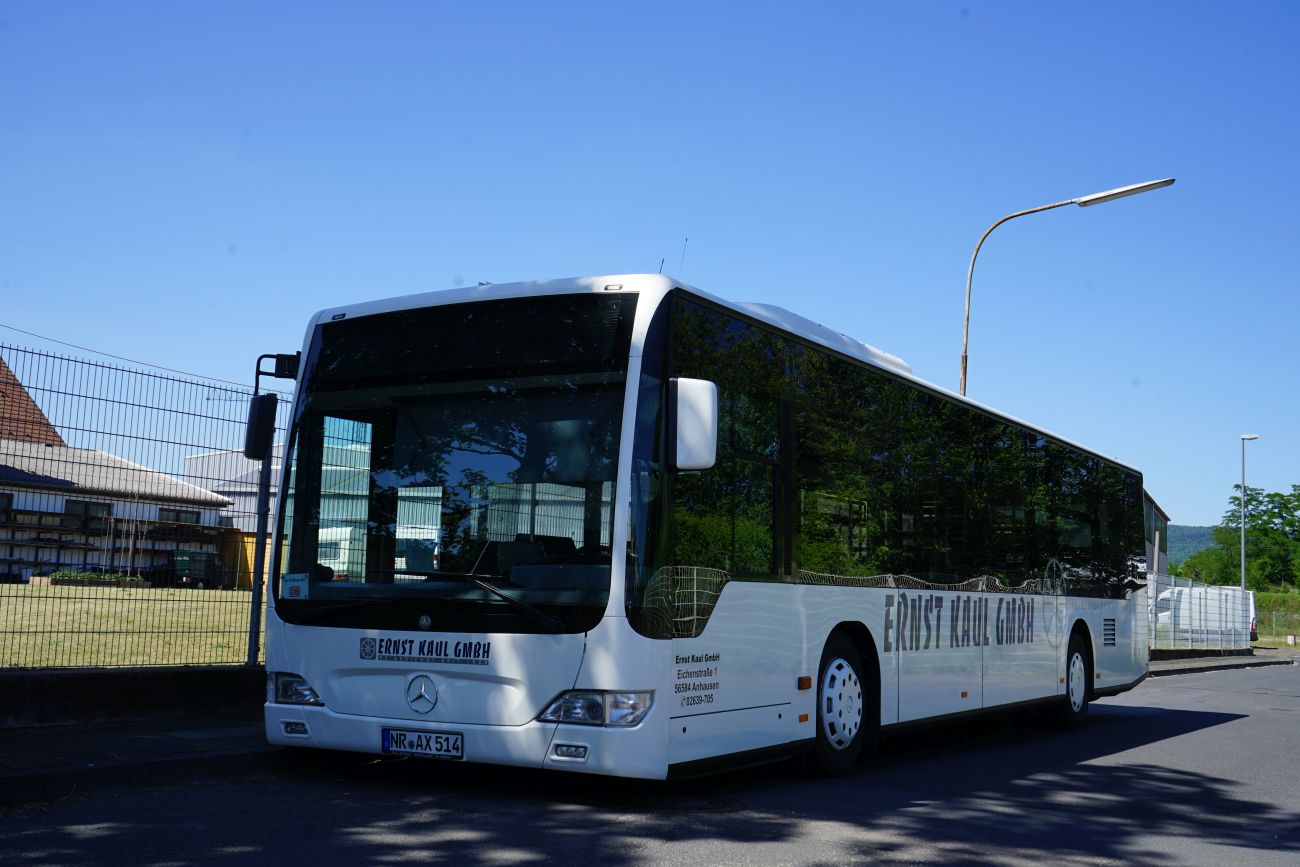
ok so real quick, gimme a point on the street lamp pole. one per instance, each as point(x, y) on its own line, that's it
point(1081, 201)
point(1244, 437)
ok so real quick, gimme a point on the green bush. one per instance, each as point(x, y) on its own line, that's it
point(98, 577)
point(1279, 601)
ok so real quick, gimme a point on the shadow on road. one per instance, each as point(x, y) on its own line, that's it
point(984, 791)
point(991, 792)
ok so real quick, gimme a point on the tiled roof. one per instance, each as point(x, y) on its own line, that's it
point(32, 464)
point(20, 417)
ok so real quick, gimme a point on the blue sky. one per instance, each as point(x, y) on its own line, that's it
point(185, 183)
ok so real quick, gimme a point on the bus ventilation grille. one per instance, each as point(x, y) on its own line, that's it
point(1108, 632)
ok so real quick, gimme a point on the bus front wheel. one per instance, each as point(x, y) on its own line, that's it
point(848, 714)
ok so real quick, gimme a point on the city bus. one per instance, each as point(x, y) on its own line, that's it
point(620, 526)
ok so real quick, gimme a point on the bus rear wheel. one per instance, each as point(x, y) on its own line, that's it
point(848, 708)
point(1078, 679)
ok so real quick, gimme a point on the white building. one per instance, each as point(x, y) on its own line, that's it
point(82, 509)
point(233, 476)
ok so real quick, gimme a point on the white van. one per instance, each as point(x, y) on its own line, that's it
point(1204, 612)
point(343, 550)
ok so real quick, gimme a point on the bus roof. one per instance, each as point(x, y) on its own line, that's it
point(641, 283)
point(659, 285)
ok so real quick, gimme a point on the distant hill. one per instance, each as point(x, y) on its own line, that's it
point(1186, 541)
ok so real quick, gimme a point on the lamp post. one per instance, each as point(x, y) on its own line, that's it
point(1244, 437)
point(1083, 202)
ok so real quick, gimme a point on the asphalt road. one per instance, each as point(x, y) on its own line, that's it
point(1196, 769)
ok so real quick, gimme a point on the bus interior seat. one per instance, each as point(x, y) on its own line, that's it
point(552, 546)
point(498, 558)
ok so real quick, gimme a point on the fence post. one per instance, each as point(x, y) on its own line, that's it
point(1187, 603)
point(259, 560)
point(1236, 620)
point(1205, 628)
point(1155, 614)
point(1234, 613)
point(1153, 640)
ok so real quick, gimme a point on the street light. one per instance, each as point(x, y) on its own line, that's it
point(1081, 201)
point(1244, 437)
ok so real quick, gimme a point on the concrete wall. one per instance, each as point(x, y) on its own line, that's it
point(40, 698)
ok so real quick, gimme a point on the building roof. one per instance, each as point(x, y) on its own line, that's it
point(87, 471)
point(20, 417)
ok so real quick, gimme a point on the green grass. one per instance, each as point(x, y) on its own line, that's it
point(43, 627)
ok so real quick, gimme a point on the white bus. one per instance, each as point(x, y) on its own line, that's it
point(674, 534)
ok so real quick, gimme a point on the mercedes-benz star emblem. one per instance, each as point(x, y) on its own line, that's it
point(421, 693)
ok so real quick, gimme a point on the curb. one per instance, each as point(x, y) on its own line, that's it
point(1226, 664)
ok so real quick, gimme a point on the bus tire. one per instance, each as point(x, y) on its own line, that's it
point(848, 713)
point(1078, 679)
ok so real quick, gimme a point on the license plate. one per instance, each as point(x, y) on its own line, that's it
point(438, 745)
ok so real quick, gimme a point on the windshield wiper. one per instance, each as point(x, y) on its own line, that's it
point(554, 624)
point(314, 614)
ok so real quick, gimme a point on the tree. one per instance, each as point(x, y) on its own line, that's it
point(1272, 543)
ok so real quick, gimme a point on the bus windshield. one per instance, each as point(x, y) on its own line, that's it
point(453, 468)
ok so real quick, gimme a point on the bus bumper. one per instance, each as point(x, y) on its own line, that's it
point(636, 752)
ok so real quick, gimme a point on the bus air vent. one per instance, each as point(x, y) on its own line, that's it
point(1108, 632)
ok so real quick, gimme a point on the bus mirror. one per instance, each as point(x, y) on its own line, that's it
point(286, 366)
point(261, 426)
point(693, 411)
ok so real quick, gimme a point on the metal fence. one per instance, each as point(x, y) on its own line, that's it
point(1278, 628)
point(1185, 615)
point(126, 515)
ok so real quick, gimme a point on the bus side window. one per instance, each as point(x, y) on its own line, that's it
point(756, 452)
point(724, 517)
point(752, 505)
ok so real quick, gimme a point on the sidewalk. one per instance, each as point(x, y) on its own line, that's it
point(48, 763)
point(1194, 665)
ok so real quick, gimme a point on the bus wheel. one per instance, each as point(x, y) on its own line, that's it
point(847, 708)
point(1078, 677)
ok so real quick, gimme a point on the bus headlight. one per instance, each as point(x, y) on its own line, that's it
point(593, 708)
point(627, 708)
point(294, 689)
